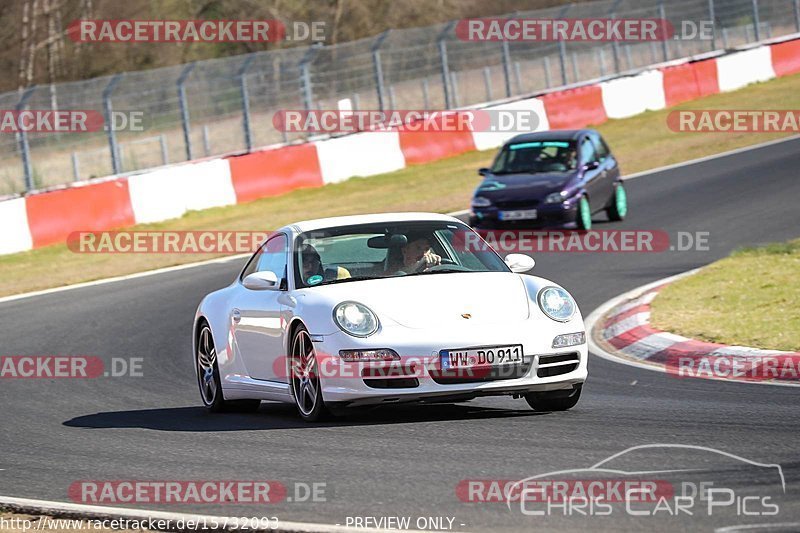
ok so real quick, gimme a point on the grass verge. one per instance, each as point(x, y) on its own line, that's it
point(641, 142)
point(751, 298)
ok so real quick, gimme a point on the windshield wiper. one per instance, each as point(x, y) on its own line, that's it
point(438, 271)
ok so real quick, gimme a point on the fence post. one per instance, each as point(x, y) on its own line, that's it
point(487, 82)
point(454, 86)
point(242, 74)
point(662, 14)
point(562, 59)
point(206, 141)
point(305, 75)
point(628, 56)
point(575, 70)
point(162, 140)
point(507, 66)
point(76, 167)
point(548, 80)
point(187, 138)
point(612, 14)
point(22, 136)
point(442, 44)
point(712, 16)
point(601, 60)
point(377, 67)
point(756, 21)
point(116, 164)
point(797, 14)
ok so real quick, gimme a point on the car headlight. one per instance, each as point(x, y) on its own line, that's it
point(355, 319)
point(480, 201)
point(554, 198)
point(556, 303)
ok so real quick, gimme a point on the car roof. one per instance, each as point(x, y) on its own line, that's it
point(550, 135)
point(332, 222)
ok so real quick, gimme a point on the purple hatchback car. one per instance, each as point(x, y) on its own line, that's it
point(550, 179)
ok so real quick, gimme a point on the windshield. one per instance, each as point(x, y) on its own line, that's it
point(386, 250)
point(534, 157)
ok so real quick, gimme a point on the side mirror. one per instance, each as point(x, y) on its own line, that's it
point(261, 281)
point(591, 165)
point(483, 171)
point(519, 263)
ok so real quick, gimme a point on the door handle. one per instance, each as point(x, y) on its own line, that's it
point(237, 316)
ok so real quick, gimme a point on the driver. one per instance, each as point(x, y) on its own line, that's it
point(417, 256)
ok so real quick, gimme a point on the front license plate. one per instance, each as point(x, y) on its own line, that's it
point(526, 214)
point(481, 357)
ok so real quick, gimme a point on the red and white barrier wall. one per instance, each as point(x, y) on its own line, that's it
point(44, 218)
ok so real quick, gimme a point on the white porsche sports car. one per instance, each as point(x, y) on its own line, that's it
point(379, 309)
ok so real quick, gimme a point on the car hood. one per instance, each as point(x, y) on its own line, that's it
point(515, 186)
point(429, 301)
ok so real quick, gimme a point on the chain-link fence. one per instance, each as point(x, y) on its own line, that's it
point(226, 105)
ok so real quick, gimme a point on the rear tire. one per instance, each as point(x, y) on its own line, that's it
point(619, 204)
point(584, 214)
point(209, 381)
point(553, 401)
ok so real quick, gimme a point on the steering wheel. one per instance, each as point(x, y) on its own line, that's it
point(450, 265)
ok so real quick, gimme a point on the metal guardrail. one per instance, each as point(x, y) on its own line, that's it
point(222, 106)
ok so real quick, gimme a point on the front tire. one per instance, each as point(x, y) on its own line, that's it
point(553, 401)
point(306, 384)
point(584, 216)
point(209, 381)
point(619, 204)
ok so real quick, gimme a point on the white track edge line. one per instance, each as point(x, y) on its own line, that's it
point(591, 322)
point(92, 512)
point(710, 157)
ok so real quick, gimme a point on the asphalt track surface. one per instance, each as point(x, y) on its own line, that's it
point(407, 461)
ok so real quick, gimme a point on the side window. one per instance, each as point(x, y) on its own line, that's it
point(601, 147)
point(271, 256)
point(588, 153)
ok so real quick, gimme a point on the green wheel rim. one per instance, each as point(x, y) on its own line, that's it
point(622, 201)
point(586, 216)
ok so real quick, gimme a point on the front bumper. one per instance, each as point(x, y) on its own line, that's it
point(547, 215)
point(418, 376)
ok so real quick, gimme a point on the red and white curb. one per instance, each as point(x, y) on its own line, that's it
point(620, 331)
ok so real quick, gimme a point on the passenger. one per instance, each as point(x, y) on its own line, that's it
point(312, 269)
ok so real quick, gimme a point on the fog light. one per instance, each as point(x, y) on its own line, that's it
point(569, 339)
point(381, 354)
